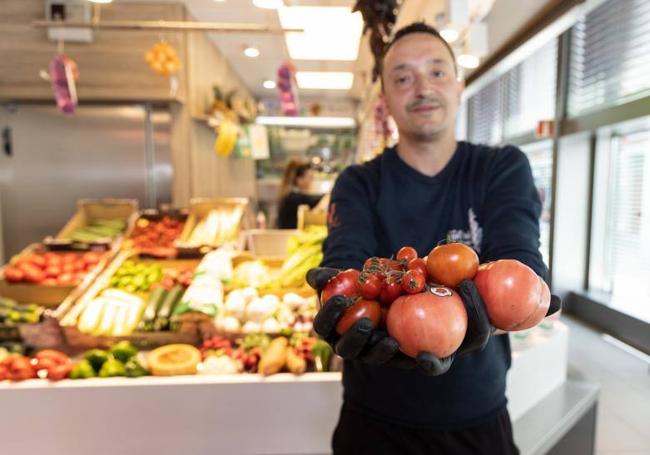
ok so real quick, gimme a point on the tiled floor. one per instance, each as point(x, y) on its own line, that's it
point(623, 426)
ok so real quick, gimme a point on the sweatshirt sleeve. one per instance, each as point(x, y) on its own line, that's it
point(511, 212)
point(351, 235)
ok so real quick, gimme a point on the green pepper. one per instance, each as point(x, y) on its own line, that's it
point(97, 358)
point(82, 370)
point(322, 352)
point(123, 351)
point(134, 369)
point(111, 368)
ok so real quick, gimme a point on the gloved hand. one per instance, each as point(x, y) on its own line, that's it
point(376, 347)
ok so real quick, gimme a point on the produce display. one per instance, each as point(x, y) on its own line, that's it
point(174, 359)
point(156, 237)
point(112, 313)
point(51, 268)
point(415, 299)
point(12, 312)
point(98, 230)
point(304, 252)
point(135, 276)
point(219, 226)
point(246, 311)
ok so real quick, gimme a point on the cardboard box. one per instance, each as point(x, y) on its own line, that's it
point(268, 242)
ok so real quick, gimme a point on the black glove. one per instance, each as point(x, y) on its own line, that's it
point(376, 347)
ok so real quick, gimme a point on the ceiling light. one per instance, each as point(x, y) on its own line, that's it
point(468, 61)
point(269, 84)
point(327, 80)
point(322, 122)
point(269, 4)
point(449, 34)
point(251, 52)
point(318, 42)
point(101, 1)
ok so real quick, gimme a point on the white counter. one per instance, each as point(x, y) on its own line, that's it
point(241, 414)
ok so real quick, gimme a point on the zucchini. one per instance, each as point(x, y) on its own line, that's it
point(167, 307)
point(154, 303)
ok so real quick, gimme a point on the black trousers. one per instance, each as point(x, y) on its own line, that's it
point(358, 434)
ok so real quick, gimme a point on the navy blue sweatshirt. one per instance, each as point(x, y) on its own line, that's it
point(484, 197)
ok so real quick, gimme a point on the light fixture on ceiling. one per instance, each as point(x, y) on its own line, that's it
point(468, 61)
point(270, 84)
point(318, 42)
point(324, 80)
point(251, 52)
point(101, 1)
point(316, 122)
point(449, 34)
point(269, 4)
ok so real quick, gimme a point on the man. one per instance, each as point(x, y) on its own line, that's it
point(428, 188)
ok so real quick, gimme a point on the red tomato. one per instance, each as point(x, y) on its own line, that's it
point(361, 309)
point(34, 275)
point(452, 263)
point(515, 297)
point(344, 283)
point(69, 258)
point(79, 266)
point(54, 260)
point(53, 271)
point(371, 263)
point(49, 282)
point(434, 321)
point(418, 264)
point(14, 274)
point(91, 258)
point(389, 264)
point(413, 281)
point(406, 254)
point(68, 267)
point(66, 279)
point(38, 261)
point(392, 290)
point(369, 285)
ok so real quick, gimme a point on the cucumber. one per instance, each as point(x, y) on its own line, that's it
point(167, 307)
point(154, 302)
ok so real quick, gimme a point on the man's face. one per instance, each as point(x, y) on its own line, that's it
point(420, 87)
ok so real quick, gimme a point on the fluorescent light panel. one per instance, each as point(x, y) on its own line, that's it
point(268, 4)
point(331, 33)
point(323, 122)
point(324, 80)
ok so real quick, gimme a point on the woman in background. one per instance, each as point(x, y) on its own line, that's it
point(297, 179)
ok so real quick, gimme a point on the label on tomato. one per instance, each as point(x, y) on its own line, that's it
point(441, 291)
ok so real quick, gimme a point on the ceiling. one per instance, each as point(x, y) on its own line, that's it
point(505, 18)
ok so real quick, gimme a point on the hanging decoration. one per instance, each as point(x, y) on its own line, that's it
point(63, 74)
point(287, 89)
point(379, 18)
point(162, 59)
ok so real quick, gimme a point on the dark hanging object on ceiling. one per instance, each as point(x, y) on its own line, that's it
point(379, 16)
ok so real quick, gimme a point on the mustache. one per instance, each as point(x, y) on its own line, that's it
point(424, 102)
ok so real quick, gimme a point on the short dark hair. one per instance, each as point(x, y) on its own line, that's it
point(416, 27)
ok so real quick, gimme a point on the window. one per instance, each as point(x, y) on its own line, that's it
point(485, 122)
point(610, 56)
point(540, 155)
point(621, 259)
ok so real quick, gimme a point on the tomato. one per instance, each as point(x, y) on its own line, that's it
point(371, 263)
point(18, 367)
point(406, 254)
point(54, 260)
point(361, 309)
point(66, 279)
point(344, 283)
point(369, 285)
point(38, 261)
point(390, 265)
point(68, 267)
point(452, 263)
point(68, 258)
point(413, 281)
point(53, 271)
point(14, 274)
point(33, 275)
point(434, 321)
point(49, 282)
point(91, 258)
point(418, 264)
point(515, 297)
point(79, 266)
point(392, 290)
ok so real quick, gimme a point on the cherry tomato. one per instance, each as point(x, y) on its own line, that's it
point(418, 264)
point(390, 264)
point(392, 290)
point(344, 283)
point(452, 263)
point(406, 254)
point(361, 309)
point(38, 261)
point(369, 285)
point(413, 281)
point(371, 263)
